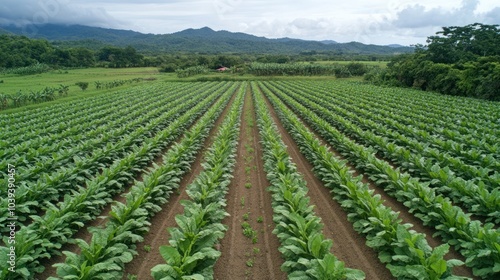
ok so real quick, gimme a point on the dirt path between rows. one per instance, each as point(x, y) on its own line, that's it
point(248, 201)
point(348, 245)
point(101, 219)
point(148, 250)
point(397, 207)
point(84, 234)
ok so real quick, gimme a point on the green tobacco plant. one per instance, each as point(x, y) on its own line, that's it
point(297, 226)
point(380, 224)
point(190, 254)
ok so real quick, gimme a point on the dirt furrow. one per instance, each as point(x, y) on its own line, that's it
point(248, 201)
point(348, 245)
point(148, 250)
point(101, 220)
point(397, 206)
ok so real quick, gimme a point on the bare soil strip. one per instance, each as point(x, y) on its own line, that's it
point(101, 220)
point(249, 201)
point(392, 203)
point(148, 250)
point(84, 234)
point(348, 245)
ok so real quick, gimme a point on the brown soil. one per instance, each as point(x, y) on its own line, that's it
point(241, 258)
point(101, 220)
point(84, 234)
point(399, 207)
point(396, 206)
point(348, 245)
point(157, 236)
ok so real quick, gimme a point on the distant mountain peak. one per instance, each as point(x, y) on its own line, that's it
point(329, 42)
point(203, 40)
point(204, 31)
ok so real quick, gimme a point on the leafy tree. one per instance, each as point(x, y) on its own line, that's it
point(457, 61)
point(456, 43)
point(83, 57)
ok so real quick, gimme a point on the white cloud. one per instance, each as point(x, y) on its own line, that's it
point(22, 12)
point(417, 16)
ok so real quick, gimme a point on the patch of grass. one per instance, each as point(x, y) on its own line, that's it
point(248, 185)
point(260, 219)
point(147, 248)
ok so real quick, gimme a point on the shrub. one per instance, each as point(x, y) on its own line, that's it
point(83, 85)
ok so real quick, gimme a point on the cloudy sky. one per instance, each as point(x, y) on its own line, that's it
point(368, 21)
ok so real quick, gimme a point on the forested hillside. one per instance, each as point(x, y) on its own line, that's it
point(461, 61)
point(203, 40)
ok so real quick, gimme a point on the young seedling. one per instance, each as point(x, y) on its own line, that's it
point(242, 201)
point(260, 219)
point(246, 216)
point(147, 248)
point(254, 237)
point(256, 250)
point(249, 149)
point(132, 277)
point(248, 159)
point(248, 169)
point(248, 185)
point(249, 232)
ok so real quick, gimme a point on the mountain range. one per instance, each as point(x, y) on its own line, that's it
point(203, 40)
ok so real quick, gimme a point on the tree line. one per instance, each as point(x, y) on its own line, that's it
point(20, 51)
point(458, 60)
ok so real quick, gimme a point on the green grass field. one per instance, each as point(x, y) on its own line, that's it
point(13, 83)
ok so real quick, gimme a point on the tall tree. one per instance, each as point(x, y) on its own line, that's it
point(464, 43)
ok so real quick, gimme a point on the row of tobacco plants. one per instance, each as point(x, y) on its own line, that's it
point(473, 187)
point(44, 184)
point(114, 246)
point(305, 250)
point(45, 236)
point(191, 253)
point(477, 242)
point(404, 251)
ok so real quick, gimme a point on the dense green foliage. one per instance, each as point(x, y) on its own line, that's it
point(307, 69)
point(20, 54)
point(31, 55)
point(119, 161)
point(71, 159)
point(430, 187)
point(461, 61)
